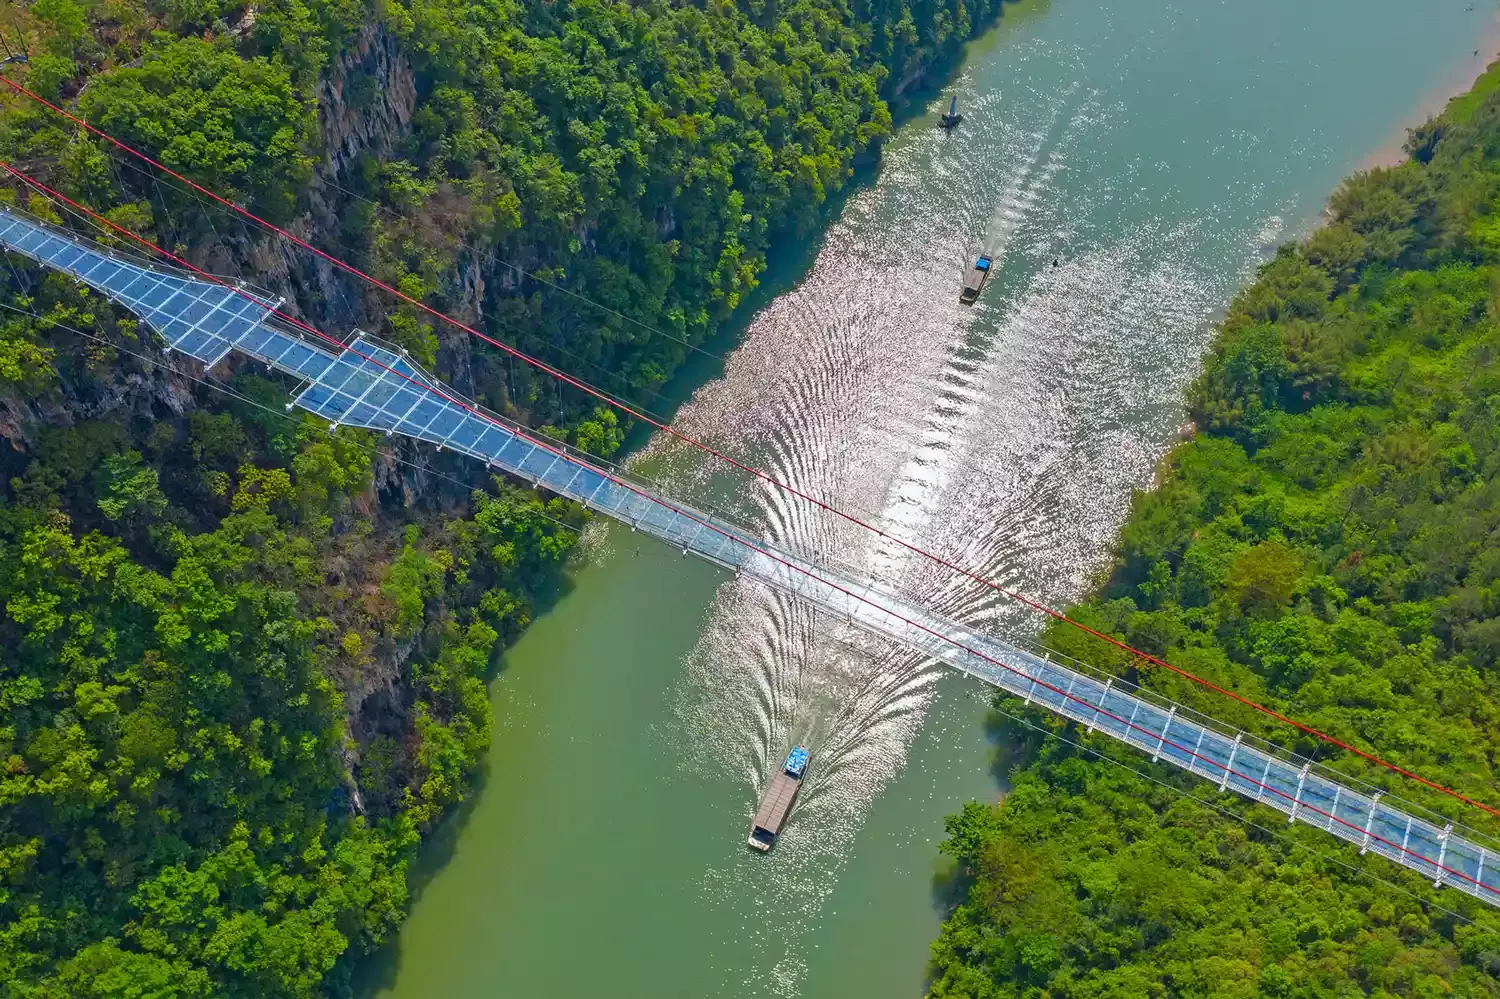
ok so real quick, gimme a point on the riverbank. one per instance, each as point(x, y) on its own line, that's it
point(271, 671)
point(1466, 81)
point(1320, 547)
point(636, 723)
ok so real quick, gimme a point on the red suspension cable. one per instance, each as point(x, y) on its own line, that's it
point(755, 472)
point(1099, 710)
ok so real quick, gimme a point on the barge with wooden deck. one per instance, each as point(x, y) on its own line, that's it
point(777, 801)
point(978, 274)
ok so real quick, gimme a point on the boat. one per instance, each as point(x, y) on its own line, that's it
point(952, 118)
point(777, 801)
point(978, 274)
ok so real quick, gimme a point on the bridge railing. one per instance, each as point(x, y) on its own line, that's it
point(373, 384)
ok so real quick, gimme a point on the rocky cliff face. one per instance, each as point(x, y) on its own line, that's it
point(365, 104)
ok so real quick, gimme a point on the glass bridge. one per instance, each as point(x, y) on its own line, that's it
point(368, 384)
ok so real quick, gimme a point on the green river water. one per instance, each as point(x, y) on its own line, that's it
point(1156, 150)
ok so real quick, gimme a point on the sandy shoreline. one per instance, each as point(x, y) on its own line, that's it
point(1392, 152)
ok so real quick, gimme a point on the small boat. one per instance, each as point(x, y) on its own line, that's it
point(952, 118)
point(978, 274)
point(777, 801)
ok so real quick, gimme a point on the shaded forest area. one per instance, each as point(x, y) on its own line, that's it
point(246, 657)
point(489, 158)
point(1326, 545)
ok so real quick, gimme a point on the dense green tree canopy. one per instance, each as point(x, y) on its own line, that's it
point(643, 154)
point(245, 670)
point(189, 805)
point(1326, 545)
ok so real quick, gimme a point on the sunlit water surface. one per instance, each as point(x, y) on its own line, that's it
point(1126, 165)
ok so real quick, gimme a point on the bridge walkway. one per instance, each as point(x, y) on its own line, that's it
point(368, 384)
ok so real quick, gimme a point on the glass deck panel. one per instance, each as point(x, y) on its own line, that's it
point(264, 341)
point(362, 414)
point(563, 477)
point(587, 482)
point(67, 258)
point(240, 330)
point(201, 340)
point(537, 461)
point(492, 440)
point(468, 433)
point(142, 282)
point(201, 345)
point(402, 403)
point(1351, 811)
point(1144, 724)
point(1389, 824)
point(1462, 860)
point(560, 474)
point(733, 551)
point(466, 437)
point(183, 338)
point(44, 244)
point(1178, 746)
point(123, 278)
point(1424, 841)
point(514, 452)
point(303, 359)
point(33, 241)
point(370, 410)
point(426, 413)
point(337, 376)
point(1048, 696)
point(684, 528)
point(1211, 751)
point(428, 409)
point(166, 298)
point(1115, 707)
point(390, 358)
point(298, 357)
point(361, 383)
point(105, 274)
point(1317, 800)
point(225, 320)
point(196, 305)
point(636, 507)
point(1281, 784)
point(315, 397)
point(448, 419)
point(231, 314)
point(611, 496)
point(224, 351)
point(654, 517)
point(1244, 775)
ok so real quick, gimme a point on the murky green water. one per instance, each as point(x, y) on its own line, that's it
point(1155, 149)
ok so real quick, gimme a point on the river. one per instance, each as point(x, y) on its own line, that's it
point(1127, 164)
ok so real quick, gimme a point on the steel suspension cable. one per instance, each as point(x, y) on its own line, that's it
point(761, 475)
point(1066, 695)
point(207, 206)
point(230, 392)
point(218, 386)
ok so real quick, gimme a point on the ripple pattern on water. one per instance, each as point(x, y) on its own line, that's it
point(1004, 437)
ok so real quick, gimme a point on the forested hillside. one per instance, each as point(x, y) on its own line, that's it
point(1327, 545)
point(643, 154)
point(245, 657)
